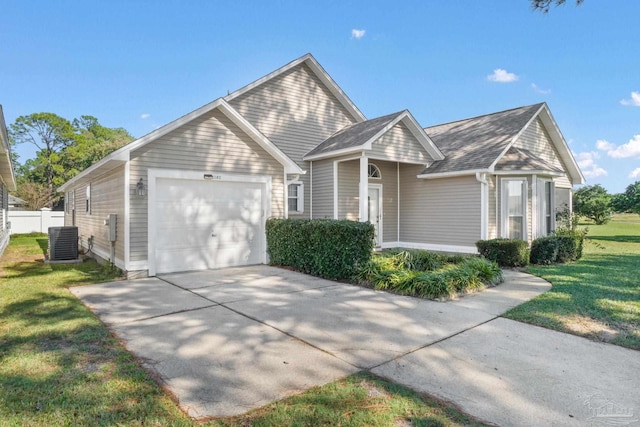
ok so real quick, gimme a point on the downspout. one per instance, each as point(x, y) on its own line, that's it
point(311, 190)
point(481, 177)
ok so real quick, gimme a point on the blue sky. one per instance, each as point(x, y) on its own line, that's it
point(141, 64)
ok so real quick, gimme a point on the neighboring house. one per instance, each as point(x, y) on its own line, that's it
point(16, 203)
point(7, 182)
point(195, 193)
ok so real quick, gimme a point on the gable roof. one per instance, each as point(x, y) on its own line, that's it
point(477, 144)
point(123, 154)
point(474, 144)
point(6, 167)
point(16, 201)
point(317, 69)
point(520, 159)
point(361, 136)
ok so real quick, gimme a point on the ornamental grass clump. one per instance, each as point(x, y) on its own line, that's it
point(428, 274)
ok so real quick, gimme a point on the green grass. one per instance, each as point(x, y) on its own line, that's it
point(59, 365)
point(597, 297)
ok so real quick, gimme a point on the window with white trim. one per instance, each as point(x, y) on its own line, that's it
point(514, 209)
point(87, 201)
point(295, 199)
point(546, 206)
point(374, 171)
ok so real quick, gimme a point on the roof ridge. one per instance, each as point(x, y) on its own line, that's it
point(486, 115)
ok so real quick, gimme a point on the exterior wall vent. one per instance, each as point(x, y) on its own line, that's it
point(63, 243)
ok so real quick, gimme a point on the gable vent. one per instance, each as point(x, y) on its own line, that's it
point(63, 243)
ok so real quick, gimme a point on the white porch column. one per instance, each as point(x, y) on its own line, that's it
point(364, 188)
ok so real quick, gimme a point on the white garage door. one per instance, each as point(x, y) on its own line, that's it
point(208, 224)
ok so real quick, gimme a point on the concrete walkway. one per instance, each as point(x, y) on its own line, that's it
point(226, 341)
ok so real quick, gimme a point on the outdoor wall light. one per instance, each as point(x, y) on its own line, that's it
point(141, 189)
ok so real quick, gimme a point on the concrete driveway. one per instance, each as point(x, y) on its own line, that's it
point(226, 341)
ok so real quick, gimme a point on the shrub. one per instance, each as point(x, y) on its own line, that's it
point(488, 271)
point(572, 251)
point(389, 272)
point(326, 248)
point(506, 252)
point(544, 250)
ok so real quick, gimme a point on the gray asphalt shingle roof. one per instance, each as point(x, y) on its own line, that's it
point(476, 143)
point(524, 160)
point(354, 135)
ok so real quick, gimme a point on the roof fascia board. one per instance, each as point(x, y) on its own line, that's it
point(289, 165)
point(317, 69)
point(124, 153)
point(335, 153)
point(515, 138)
point(422, 136)
point(528, 172)
point(452, 174)
point(562, 146)
point(10, 181)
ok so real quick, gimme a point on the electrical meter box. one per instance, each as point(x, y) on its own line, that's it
point(112, 222)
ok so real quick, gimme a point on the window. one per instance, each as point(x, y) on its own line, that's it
point(546, 206)
point(88, 201)
point(374, 171)
point(296, 197)
point(514, 208)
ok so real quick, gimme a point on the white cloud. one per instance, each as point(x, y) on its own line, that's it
point(357, 34)
point(588, 165)
point(500, 75)
point(539, 89)
point(604, 145)
point(634, 101)
point(635, 174)
point(145, 116)
point(630, 149)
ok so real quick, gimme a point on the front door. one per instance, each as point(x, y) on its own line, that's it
point(375, 210)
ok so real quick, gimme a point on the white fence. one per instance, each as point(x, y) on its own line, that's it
point(34, 221)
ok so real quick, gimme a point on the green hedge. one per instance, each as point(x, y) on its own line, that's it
point(506, 252)
point(571, 251)
point(544, 250)
point(325, 248)
point(560, 247)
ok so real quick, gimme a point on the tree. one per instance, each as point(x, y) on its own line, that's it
point(64, 149)
point(51, 134)
point(35, 194)
point(632, 196)
point(545, 5)
point(593, 202)
point(620, 203)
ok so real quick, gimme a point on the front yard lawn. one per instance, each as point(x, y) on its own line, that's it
point(597, 297)
point(59, 365)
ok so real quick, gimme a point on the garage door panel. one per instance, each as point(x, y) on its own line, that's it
point(205, 224)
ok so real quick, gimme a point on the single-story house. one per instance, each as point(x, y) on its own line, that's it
point(7, 182)
point(195, 193)
point(16, 203)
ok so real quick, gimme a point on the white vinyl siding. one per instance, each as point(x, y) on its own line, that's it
point(322, 189)
point(538, 141)
point(439, 211)
point(106, 198)
point(399, 145)
point(296, 112)
point(211, 143)
point(348, 190)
